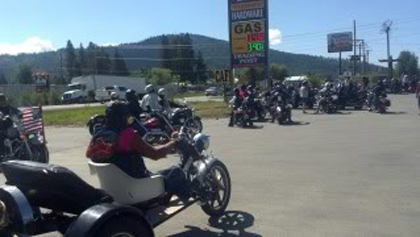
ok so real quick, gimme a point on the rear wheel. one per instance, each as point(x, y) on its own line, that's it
point(40, 154)
point(194, 125)
point(124, 227)
point(218, 180)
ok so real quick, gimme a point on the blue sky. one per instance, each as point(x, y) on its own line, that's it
point(43, 24)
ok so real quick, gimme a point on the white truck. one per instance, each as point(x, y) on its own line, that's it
point(104, 94)
point(83, 89)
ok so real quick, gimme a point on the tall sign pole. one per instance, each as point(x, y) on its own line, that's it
point(267, 40)
point(339, 43)
point(248, 31)
point(355, 49)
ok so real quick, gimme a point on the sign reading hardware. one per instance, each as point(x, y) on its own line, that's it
point(249, 33)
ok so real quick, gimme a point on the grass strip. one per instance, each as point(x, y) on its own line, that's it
point(80, 116)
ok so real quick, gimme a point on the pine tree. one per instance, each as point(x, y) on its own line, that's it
point(91, 58)
point(103, 62)
point(71, 60)
point(166, 53)
point(24, 75)
point(201, 69)
point(186, 59)
point(82, 60)
point(119, 68)
point(3, 80)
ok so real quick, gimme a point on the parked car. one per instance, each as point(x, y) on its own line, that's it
point(212, 91)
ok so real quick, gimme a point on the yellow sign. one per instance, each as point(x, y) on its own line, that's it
point(244, 33)
point(223, 76)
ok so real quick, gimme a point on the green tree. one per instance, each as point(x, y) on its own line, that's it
point(278, 71)
point(82, 60)
point(24, 74)
point(166, 53)
point(315, 79)
point(201, 69)
point(103, 62)
point(254, 74)
point(71, 60)
point(159, 76)
point(183, 61)
point(119, 68)
point(408, 64)
point(91, 58)
point(3, 79)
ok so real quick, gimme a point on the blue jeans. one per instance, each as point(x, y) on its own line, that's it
point(176, 182)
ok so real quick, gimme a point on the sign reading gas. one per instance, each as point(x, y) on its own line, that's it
point(249, 33)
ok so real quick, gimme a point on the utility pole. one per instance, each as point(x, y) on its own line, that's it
point(367, 60)
point(386, 28)
point(355, 50)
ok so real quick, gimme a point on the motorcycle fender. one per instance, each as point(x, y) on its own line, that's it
point(95, 119)
point(93, 218)
point(24, 214)
point(204, 166)
point(197, 118)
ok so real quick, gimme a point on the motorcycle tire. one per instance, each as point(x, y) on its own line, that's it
point(243, 123)
point(93, 127)
point(40, 154)
point(195, 123)
point(381, 109)
point(124, 226)
point(209, 207)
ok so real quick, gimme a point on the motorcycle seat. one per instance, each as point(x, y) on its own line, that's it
point(124, 188)
point(52, 187)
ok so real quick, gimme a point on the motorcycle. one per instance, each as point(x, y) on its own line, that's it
point(16, 144)
point(243, 114)
point(157, 127)
point(281, 112)
point(379, 104)
point(45, 198)
point(357, 100)
point(329, 103)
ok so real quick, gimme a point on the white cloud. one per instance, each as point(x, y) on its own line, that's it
point(31, 45)
point(109, 44)
point(275, 36)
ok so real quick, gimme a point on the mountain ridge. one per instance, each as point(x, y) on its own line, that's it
point(146, 54)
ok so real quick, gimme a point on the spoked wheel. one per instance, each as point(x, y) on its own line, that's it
point(219, 182)
point(194, 125)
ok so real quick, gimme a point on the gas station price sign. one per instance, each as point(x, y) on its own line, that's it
point(248, 32)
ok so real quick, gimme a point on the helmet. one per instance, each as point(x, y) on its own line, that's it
point(114, 96)
point(130, 95)
point(150, 88)
point(162, 92)
point(116, 114)
point(202, 142)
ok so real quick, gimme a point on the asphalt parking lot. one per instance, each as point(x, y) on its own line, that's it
point(351, 174)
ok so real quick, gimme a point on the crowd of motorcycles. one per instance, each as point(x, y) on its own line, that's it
point(250, 104)
point(157, 126)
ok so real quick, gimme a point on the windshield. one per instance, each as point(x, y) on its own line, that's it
point(74, 87)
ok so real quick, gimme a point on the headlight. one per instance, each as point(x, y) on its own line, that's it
point(202, 142)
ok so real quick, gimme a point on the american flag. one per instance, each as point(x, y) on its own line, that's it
point(32, 120)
